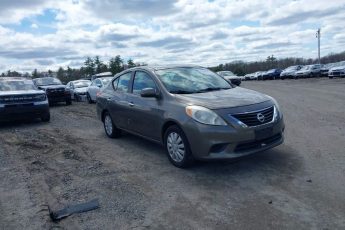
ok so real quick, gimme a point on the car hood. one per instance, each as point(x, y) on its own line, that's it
point(223, 98)
point(231, 77)
point(337, 68)
point(21, 92)
point(45, 87)
point(81, 90)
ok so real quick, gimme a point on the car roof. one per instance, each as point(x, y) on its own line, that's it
point(44, 78)
point(80, 80)
point(160, 67)
point(15, 79)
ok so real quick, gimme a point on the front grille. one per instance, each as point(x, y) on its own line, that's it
point(335, 73)
point(53, 92)
point(14, 99)
point(252, 118)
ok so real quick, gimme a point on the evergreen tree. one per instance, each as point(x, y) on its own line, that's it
point(89, 66)
point(130, 63)
point(116, 64)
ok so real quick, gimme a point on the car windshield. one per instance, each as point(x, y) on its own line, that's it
point(291, 68)
point(16, 85)
point(81, 84)
point(306, 67)
point(185, 80)
point(47, 81)
point(226, 73)
point(106, 80)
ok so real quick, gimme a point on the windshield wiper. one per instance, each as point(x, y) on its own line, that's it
point(181, 92)
point(211, 89)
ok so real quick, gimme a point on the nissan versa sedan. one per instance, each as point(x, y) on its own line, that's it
point(192, 111)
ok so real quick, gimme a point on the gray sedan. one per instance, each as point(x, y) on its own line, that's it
point(192, 111)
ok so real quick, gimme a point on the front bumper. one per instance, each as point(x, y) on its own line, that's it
point(58, 97)
point(226, 142)
point(338, 73)
point(23, 111)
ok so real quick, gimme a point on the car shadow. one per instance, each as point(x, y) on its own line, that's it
point(20, 123)
point(282, 160)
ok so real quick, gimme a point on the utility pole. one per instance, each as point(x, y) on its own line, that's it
point(318, 35)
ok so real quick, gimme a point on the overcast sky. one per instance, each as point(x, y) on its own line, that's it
point(46, 34)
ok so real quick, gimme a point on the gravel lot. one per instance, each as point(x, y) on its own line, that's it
point(298, 185)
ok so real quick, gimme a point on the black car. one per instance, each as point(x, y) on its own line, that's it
point(55, 90)
point(272, 74)
point(20, 99)
point(231, 77)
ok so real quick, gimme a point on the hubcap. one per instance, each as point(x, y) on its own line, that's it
point(175, 147)
point(108, 124)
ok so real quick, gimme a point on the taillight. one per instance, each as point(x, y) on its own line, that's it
point(98, 94)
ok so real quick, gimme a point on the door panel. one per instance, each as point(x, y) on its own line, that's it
point(118, 103)
point(145, 116)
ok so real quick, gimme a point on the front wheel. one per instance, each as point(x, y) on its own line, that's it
point(76, 97)
point(89, 98)
point(177, 147)
point(45, 117)
point(110, 129)
point(68, 102)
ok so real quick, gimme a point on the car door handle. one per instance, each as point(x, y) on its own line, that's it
point(130, 104)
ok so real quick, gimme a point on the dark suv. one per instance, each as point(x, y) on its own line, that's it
point(20, 98)
point(192, 111)
point(55, 90)
point(272, 74)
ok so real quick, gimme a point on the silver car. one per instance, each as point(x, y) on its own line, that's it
point(78, 89)
point(96, 85)
point(192, 111)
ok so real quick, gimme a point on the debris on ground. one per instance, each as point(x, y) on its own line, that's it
point(72, 209)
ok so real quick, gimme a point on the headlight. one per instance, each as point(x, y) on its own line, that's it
point(40, 97)
point(204, 115)
point(277, 112)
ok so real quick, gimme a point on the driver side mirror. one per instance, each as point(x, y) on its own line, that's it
point(149, 92)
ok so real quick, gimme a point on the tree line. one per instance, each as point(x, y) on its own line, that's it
point(241, 68)
point(91, 66)
point(94, 65)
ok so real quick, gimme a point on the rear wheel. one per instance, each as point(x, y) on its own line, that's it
point(177, 147)
point(110, 129)
point(89, 98)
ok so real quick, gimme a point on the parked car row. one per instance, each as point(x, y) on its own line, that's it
point(299, 71)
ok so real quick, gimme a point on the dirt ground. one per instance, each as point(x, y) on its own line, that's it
point(298, 185)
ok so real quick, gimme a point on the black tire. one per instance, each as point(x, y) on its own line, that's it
point(69, 102)
point(188, 158)
point(45, 117)
point(89, 98)
point(115, 132)
point(330, 77)
point(76, 98)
